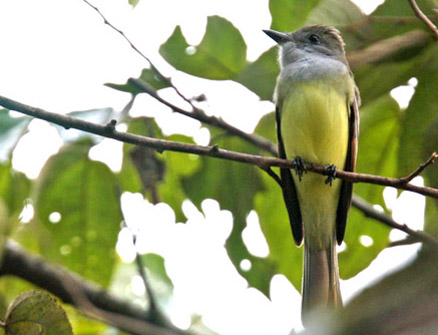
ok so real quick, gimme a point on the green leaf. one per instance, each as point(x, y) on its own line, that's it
point(149, 75)
point(11, 129)
point(36, 313)
point(261, 75)
point(220, 55)
point(335, 13)
point(234, 186)
point(84, 193)
point(288, 15)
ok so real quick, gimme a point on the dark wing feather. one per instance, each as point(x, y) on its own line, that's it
point(289, 190)
point(350, 165)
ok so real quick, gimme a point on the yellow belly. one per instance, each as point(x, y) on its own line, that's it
point(314, 126)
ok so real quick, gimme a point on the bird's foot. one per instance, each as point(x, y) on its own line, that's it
point(299, 167)
point(330, 172)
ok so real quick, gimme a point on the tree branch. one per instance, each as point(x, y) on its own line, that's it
point(423, 17)
point(369, 211)
point(58, 281)
point(420, 169)
point(387, 48)
point(211, 151)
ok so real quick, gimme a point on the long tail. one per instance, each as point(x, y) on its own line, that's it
point(321, 290)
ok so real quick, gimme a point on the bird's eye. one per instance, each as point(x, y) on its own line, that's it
point(314, 38)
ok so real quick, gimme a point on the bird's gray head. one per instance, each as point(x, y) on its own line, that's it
point(317, 40)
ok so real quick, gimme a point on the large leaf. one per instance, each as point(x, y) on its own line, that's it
point(234, 185)
point(334, 13)
point(261, 75)
point(36, 313)
point(220, 55)
point(83, 234)
point(288, 15)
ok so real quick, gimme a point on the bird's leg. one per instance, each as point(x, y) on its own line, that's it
point(299, 167)
point(330, 172)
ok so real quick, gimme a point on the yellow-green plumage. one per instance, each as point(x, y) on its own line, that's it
point(314, 125)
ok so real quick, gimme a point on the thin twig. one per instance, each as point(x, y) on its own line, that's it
point(420, 169)
point(369, 211)
point(409, 240)
point(132, 45)
point(211, 151)
point(423, 17)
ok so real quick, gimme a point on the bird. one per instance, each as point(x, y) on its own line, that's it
point(317, 118)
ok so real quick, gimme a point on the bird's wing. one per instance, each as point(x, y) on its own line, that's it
point(350, 165)
point(289, 190)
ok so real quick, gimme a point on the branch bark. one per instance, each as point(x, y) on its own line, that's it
point(423, 17)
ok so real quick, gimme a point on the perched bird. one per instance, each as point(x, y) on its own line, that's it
point(317, 122)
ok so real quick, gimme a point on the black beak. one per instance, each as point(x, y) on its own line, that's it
point(277, 36)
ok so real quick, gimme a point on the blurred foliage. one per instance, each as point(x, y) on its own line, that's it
point(76, 200)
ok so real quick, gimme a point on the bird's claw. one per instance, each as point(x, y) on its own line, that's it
point(330, 172)
point(299, 167)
